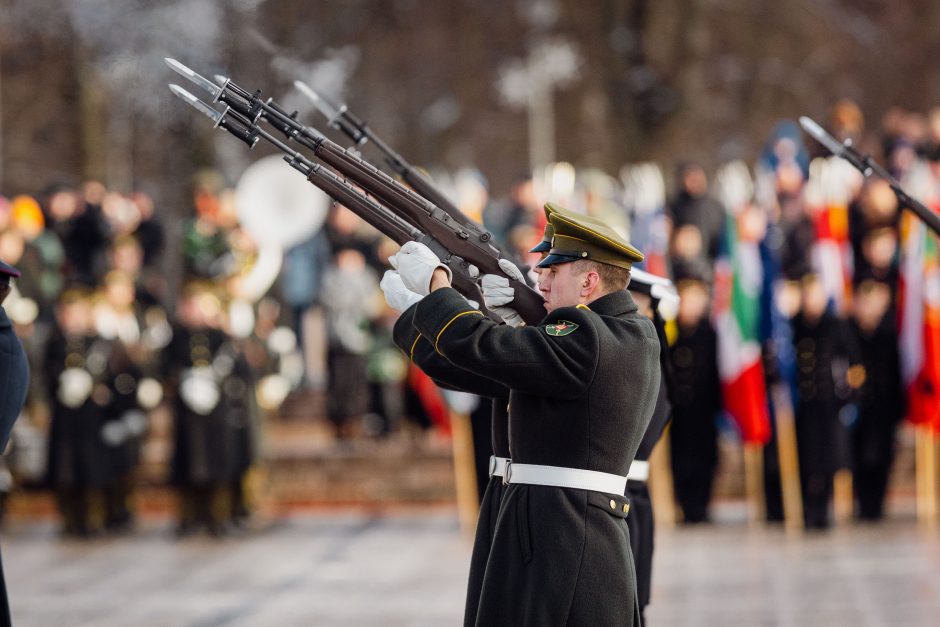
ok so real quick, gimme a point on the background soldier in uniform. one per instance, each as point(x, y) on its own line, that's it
point(76, 365)
point(578, 410)
point(14, 378)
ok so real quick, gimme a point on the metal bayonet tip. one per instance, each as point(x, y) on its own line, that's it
point(198, 79)
point(820, 134)
point(328, 110)
point(221, 80)
point(205, 109)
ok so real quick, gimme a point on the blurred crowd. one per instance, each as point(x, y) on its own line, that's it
point(220, 335)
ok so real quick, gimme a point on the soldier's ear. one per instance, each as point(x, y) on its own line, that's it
point(590, 282)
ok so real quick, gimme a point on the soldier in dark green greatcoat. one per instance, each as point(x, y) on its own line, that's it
point(583, 384)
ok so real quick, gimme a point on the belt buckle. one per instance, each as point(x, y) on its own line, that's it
point(507, 471)
point(492, 466)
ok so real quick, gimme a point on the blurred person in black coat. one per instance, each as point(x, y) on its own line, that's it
point(208, 379)
point(75, 368)
point(696, 396)
point(14, 378)
point(881, 400)
point(828, 371)
point(693, 207)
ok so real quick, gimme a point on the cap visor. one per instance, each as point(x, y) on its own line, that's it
point(541, 247)
point(551, 260)
point(9, 270)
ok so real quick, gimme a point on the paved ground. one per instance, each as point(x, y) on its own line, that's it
point(409, 569)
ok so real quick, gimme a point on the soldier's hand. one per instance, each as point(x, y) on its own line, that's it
point(497, 294)
point(416, 264)
point(397, 295)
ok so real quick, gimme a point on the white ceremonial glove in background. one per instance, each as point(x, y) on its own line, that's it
point(416, 264)
point(397, 295)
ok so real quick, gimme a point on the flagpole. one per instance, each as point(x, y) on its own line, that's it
point(788, 459)
point(662, 494)
point(754, 482)
point(925, 439)
point(465, 476)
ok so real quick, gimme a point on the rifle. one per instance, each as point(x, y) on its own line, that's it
point(392, 208)
point(342, 119)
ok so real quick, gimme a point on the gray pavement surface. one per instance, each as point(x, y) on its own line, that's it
point(409, 568)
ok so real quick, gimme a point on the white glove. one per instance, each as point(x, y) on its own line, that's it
point(497, 293)
point(416, 264)
point(397, 295)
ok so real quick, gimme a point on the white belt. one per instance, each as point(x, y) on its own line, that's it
point(565, 478)
point(498, 466)
point(639, 471)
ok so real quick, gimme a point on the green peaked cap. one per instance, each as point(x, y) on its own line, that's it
point(578, 236)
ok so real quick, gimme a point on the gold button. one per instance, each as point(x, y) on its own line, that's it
point(626, 508)
point(613, 504)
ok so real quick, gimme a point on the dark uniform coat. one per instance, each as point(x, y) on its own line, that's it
point(881, 405)
point(14, 380)
point(445, 374)
point(582, 389)
point(206, 443)
point(78, 456)
point(822, 439)
point(640, 521)
point(694, 435)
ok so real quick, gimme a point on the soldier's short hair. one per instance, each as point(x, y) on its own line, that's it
point(614, 278)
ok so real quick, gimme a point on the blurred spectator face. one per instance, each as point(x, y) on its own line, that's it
point(879, 204)
point(122, 215)
point(144, 204)
point(787, 298)
point(752, 224)
point(693, 303)
point(880, 247)
point(74, 315)
point(63, 205)
point(344, 221)
point(871, 304)
point(228, 212)
point(11, 247)
point(813, 297)
point(523, 193)
point(687, 242)
point(199, 307)
point(847, 121)
point(694, 181)
point(789, 179)
point(119, 291)
point(520, 241)
point(350, 260)
point(127, 256)
point(94, 192)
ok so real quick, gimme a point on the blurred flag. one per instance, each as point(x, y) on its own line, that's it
point(831, 186)
point(920, 306)
point(737, 294)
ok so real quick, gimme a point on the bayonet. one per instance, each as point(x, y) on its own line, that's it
point(202, 81)
point(867, 166)
point(199, 105)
